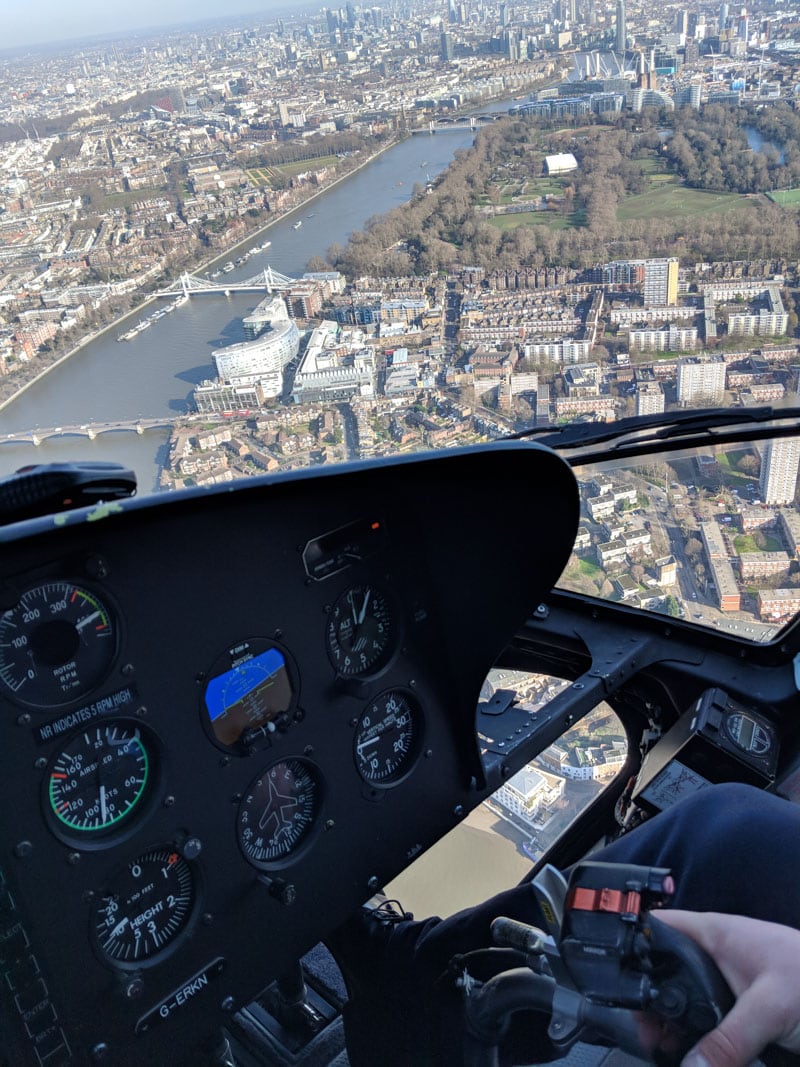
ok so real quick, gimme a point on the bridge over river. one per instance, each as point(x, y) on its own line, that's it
point(87, 429)
point(447, 126)
point(266, 281)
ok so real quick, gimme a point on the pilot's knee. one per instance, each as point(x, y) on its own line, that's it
point(721, 800)
point(740, 818)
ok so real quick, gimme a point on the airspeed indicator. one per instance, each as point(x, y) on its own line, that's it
point(98, 780)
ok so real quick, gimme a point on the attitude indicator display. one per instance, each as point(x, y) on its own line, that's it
point(250, 695)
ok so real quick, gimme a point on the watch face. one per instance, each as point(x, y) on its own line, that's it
point(361, 631)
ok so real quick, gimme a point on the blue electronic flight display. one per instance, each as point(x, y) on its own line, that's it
point(250, 695)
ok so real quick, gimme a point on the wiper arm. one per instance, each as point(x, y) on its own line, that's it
point(641, 429)
point(45, 488)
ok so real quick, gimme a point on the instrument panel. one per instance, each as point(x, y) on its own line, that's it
point(228, 717)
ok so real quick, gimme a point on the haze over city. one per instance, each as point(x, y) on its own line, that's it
point(54, 22)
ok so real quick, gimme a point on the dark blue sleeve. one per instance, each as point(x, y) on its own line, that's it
point(731, 848)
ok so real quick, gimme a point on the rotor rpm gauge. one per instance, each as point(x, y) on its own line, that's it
point(388, 737)
point(56, 645)
point(144, 910)
point(279, 811)
point(98, 780)
point(360, 633)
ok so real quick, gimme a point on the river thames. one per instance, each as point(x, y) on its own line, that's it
point(155, 373)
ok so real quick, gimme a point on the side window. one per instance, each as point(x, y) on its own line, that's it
point(497, 843)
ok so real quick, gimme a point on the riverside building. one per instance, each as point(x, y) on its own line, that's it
point(263, 359)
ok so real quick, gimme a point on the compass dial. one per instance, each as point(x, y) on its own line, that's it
point(279, 811)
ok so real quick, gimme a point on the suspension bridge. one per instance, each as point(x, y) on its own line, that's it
point(268, 280)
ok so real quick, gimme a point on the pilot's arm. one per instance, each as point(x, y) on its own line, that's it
point(732, 848)
point(761, 963)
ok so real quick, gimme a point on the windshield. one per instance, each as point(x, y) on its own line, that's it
point(321, 236)
point(708, 535)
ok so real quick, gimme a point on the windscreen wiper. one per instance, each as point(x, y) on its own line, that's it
point(642, 429)
point(44, 488)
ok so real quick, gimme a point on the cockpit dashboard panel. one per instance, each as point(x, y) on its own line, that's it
point(228, 716)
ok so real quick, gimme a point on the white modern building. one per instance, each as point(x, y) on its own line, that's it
point(569, 350)
point(337, 365)
point(263, 359)
point(701, 382)
point(780, 461)
point(649, 399)
point(772, 320)
point(669, 338)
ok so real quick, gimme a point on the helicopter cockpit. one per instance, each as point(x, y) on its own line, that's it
point(231, 716)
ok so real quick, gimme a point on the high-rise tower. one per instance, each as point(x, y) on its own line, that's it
point(780, 461)
point(622, 33)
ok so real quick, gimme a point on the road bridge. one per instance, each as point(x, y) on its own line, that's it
point(442, 126)
point(87, 429)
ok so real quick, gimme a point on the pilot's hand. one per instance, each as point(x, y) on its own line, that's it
point(761, 964)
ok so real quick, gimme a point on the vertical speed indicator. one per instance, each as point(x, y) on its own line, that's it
point(388, 738)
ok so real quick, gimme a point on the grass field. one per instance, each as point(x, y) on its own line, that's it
point(672, 201)
point(259, 177)
point(108, 201)
point(291, 169)
point(534, 218)
point(786, 197)
point(545, 186)
point(746, 543)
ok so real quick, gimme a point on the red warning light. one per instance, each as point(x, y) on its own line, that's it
point(375, 526)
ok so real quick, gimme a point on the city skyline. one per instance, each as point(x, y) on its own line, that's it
point(57, 23)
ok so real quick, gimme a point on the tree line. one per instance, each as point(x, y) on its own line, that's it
point(441, 227)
